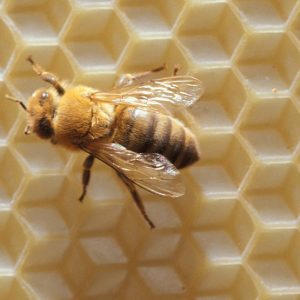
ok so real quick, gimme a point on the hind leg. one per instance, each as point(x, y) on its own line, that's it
point(136, 198)
point(176, 68)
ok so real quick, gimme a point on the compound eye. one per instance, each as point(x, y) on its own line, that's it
point(44, 96)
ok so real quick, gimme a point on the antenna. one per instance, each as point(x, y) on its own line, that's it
point(11, 98)
point(46, 76)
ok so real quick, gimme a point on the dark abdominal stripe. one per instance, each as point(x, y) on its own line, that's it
point(149, 133)
point(189, 155)
point(177, 147)
point(159, 135)
point(161, 145)
point(130, 125)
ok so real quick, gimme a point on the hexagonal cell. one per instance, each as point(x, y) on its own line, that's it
point(132, 231)
point(38, 20)
point(240, 286)
point(11, 288)
point(166, 52)
point(189, 261)
point(43, 221)
point(265, 14)
point(77, 267)
point(11, 175)
point(35, 153)
point(103, 250)
point(222, 101)
point(226, 228)
point(98, 80)
point(106, 283)
point(8, 113)
point(45, 253)
point(41, 189)
point(56, 288)
point(139, 242)
point(162, 280)
point(135, 287)
point(96, 38)
point(213, 211)
point(220, 173)
point(159, 247)
point(151, 17)
point(244, 287)
point(49, 205)
point(210, 31)
point(12, 242)
point(228, 239)
point(271, 261)
point(218, 246)
point(218, 278)
point(49, 255)
point(272, 192)
point(50, 57)
point(265, 62)
point(270, 127)
point(53, 191)
point(7, 44)
point(101, 217)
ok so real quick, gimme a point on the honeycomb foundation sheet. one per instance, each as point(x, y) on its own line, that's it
point(235, 233)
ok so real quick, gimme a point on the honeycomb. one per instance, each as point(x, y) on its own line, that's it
point(235, 233)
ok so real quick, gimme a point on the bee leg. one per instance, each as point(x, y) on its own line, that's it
point(136, 198)
point(86, 175)
point(129, 79)
point(46, 76)
point(176, 68)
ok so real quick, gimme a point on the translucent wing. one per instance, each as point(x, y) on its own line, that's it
point(177, 90)
point(151, 171)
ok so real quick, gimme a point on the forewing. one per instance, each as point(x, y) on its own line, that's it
point(150, 171)
point(177, 90)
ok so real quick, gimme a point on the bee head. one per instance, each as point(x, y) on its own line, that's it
point(41, 110)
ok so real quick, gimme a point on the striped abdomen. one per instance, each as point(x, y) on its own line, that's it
point(146, 131)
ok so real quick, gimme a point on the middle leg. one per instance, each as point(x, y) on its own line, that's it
point(86, 175)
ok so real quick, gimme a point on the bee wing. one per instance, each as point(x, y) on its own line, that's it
point(177, 90)
point(151, 171)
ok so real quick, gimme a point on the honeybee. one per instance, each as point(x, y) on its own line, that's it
point(130, 129)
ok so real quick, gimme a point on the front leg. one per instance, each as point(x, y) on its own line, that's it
point(86, 175)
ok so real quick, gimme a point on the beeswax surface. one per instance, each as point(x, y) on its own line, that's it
point(235, 233)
